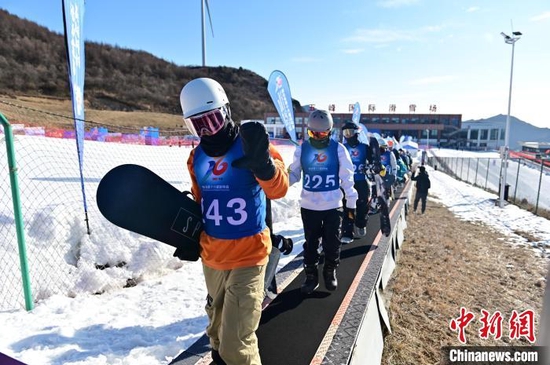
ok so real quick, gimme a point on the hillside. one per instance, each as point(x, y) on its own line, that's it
point(520, 131)
point(33, 63)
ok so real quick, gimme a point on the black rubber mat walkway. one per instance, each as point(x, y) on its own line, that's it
point(293, 326)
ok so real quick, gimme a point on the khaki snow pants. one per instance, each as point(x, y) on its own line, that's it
point(234, 307)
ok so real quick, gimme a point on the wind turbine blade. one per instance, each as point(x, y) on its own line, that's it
point(209, 18)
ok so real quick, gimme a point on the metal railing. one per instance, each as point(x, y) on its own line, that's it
point(526, 180)
point(48, 227)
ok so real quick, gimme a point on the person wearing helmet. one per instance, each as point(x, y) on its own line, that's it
point(233, 171)
point(401, 167)
point(327, 170)
point(361, 157)
point(406, 157)
point(388, 160)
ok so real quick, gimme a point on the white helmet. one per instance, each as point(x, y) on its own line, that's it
point(320, 121)
point(201, 95)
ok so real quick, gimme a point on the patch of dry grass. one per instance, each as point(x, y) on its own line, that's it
point(56, 112)
point(445, 264)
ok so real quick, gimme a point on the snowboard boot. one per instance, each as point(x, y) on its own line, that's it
point(346, 239)
point(347, 231)
point(312, 279)
point(329, 275)
point(217, 359)
point(360, 232)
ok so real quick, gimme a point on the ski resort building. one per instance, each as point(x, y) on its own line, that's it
point(433, 129)
point(483, 135)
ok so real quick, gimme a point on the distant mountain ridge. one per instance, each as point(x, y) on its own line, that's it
point(33, 62)
point(520, 131)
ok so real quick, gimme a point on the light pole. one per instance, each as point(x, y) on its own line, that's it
point(508, 40)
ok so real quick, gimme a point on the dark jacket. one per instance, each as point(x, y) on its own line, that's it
point(422, 182)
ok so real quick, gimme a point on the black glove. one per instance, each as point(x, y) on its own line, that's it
point(285, 245)
point(186, 254)
point(256, 157)
point(377, 168)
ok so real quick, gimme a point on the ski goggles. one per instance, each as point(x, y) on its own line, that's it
point(318, 135)
point(206, 124)
point(348, 133)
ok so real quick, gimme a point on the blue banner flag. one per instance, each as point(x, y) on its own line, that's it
point(73, 22)
point(356, 118)
point(280, 94)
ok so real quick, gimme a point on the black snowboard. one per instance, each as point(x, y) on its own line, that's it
point(135, 198)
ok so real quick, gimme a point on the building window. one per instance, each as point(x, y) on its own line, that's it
point(484, 134)
point(395, 120)
point(502, 134)
point(474, 134)
point(494, 134)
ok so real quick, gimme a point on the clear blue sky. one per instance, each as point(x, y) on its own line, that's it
point(443, 52)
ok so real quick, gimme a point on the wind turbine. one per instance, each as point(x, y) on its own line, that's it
point(203, 3)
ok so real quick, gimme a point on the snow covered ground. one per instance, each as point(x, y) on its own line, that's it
point(153, 321)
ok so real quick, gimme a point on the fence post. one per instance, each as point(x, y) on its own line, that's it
point(501, 177)
point(487, 174)
point(468, 172)
point(461, 167)
point(540, 182)
point(477, 166)
point(517, 179)
point(453, 159)
point(8, 133)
